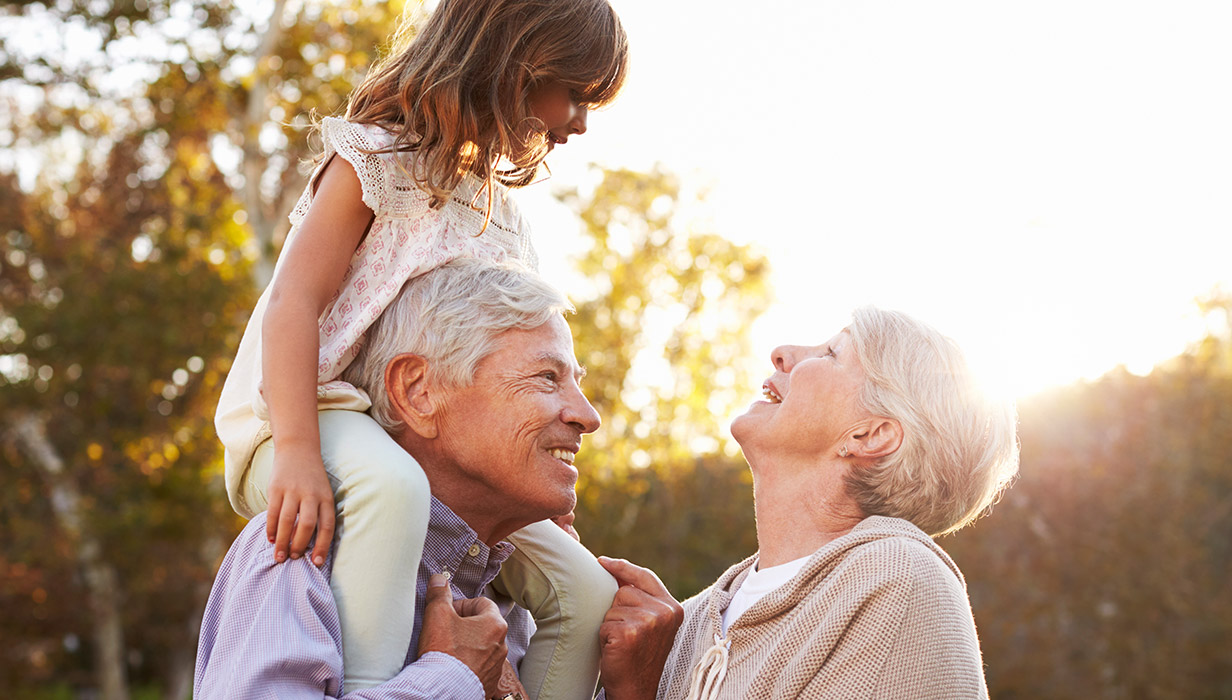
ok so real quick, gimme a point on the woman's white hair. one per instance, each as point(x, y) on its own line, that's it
point(960, 446)
point(451, 316)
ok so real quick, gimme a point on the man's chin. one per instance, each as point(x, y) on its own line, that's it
point(564, 505)
point(568, 504)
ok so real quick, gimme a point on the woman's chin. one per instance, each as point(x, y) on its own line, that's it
point(744, 426)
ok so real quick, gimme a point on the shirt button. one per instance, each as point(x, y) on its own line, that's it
point(447, 575)
point(474, 550)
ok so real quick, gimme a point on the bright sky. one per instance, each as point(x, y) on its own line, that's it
point(1049, 182)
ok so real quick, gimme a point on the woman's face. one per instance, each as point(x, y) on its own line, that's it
point(811, 405)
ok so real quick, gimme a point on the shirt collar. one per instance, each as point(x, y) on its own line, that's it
point(453, 548)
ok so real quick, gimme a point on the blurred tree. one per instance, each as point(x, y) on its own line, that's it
point(1107, 570)
point(247, 85)
point(116, 314)
point(168, 137)
point(665, 340)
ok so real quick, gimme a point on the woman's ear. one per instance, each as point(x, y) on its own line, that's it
point(406, 382)
point(883, 437)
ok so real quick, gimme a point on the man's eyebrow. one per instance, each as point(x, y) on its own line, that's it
point(562, 365)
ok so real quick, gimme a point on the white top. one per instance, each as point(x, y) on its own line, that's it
point(407, 238)
point(758, 584)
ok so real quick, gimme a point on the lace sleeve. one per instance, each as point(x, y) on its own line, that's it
point(352, 142)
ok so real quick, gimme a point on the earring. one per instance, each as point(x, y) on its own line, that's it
point(842, 451)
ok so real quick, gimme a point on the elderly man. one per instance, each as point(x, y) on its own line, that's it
point(497, 449)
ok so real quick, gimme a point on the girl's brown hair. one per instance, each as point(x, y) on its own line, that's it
point(455, 90)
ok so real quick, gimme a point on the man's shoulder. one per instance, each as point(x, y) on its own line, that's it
point(261, 613)
point(252, 538)
point(250, 563)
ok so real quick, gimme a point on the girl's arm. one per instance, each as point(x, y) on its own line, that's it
point(313, 266)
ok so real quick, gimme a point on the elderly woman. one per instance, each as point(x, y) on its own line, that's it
point(864, 449)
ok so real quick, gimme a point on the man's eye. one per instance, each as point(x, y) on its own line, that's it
point(549, 375)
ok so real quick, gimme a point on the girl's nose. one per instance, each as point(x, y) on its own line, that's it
point(578, 124)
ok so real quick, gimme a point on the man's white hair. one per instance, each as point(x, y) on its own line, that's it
point(960, 446)
point(451, 316)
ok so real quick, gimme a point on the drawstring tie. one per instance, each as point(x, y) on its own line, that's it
point(710, 671)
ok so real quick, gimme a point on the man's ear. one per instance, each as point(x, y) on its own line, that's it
point(410, 398)
point(882, 437)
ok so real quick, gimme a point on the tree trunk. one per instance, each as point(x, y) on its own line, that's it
point(102, 585)
point(264, 217)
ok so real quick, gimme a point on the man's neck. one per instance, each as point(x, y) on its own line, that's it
point(470, 500)
point(483, 509)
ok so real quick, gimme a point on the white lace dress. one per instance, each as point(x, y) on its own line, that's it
point(407, 238)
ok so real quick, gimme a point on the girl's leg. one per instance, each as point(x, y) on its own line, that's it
point(382, 499)
point(568, 593)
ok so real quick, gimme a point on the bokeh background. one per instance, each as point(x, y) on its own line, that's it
point(1048, 182)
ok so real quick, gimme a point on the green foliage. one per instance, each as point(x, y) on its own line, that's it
point(659, 484)
point(117, 326)
point(126, 275)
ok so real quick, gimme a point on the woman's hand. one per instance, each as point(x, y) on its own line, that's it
point(565, 522)
point(300, 502)
point(637, 633)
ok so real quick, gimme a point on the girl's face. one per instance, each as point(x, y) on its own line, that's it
point(553, 104)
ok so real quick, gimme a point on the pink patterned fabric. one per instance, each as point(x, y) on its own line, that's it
point(407, 238)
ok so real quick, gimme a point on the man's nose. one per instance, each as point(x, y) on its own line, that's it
point(579, 413)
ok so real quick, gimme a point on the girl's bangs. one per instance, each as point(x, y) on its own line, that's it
point(598, 73)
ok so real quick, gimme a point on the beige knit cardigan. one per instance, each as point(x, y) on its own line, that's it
point(881, 612)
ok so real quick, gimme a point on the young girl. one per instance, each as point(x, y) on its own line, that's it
point(431, 141)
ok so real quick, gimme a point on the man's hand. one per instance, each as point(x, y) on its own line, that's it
point(509, 683)
point(470, 630)
point(300, 502)
point(637, 633)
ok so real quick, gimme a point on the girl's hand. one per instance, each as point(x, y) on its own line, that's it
point(300, 502)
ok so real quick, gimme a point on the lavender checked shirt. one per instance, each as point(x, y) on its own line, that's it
point(272, 631)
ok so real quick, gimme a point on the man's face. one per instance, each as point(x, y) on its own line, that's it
point(511, 436)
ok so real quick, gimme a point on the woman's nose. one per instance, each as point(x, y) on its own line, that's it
point(783, 358)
